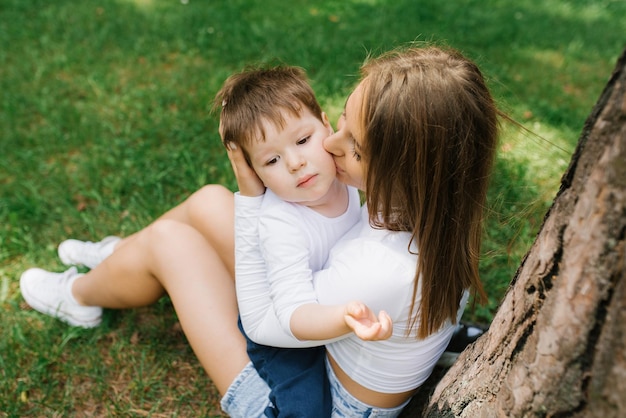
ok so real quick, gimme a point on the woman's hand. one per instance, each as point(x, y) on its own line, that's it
point(360, 318)
point(249, 183)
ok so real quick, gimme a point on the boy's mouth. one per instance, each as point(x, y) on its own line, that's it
point(306, 180)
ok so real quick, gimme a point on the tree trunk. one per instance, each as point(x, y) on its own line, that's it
point(557, 346)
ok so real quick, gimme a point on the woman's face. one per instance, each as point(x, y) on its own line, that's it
point(346, 144)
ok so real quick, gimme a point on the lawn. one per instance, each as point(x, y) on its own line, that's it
point(105, 116)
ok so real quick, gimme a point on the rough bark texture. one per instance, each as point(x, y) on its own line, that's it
point(557, 346)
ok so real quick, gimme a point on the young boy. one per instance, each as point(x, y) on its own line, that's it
point(303, 212)
point(272, 114)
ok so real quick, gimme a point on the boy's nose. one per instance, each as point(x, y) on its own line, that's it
point(296, 162)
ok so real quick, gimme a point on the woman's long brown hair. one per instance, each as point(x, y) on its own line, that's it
point(431, 130)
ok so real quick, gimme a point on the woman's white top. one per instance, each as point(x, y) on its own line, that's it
point(371, 265)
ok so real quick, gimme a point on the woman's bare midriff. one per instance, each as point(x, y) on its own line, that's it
point(368, 396)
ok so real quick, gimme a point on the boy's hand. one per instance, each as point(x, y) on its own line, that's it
point(249, 183)
point(360, 318)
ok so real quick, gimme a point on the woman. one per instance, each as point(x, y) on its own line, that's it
point(418, 135)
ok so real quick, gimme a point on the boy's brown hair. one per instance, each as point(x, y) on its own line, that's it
point(256, 95)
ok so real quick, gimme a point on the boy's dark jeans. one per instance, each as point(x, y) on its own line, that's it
point(297, 379)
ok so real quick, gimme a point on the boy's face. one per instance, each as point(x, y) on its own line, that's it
point(292, 162)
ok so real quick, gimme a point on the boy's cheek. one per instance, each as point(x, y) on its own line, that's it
point(262, 176)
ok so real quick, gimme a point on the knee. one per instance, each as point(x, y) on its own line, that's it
point(210, 199)
point(166, 230)
point(212, 193)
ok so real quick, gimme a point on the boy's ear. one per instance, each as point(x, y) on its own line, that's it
point(327, 123)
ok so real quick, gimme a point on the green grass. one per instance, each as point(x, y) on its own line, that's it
point(104, 109)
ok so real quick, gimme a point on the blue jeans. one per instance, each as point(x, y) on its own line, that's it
point(347, 406)
point(297, 379)
point(247, 396)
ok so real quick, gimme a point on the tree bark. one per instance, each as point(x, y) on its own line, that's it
point(557, 345)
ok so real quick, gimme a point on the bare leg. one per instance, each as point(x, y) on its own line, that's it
point(211, 211)
point(173, 257)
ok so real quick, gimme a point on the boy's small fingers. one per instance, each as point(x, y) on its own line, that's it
point(386, 323)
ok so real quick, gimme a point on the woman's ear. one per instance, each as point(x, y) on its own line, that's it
point(327, 123)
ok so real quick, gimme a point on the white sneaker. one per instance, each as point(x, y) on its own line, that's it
point(51, 294)
point(86, 253)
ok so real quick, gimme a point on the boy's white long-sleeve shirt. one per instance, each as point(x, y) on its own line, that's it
point(371, 265)
point(293, 242)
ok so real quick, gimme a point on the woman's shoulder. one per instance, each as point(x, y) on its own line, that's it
point(390, 242)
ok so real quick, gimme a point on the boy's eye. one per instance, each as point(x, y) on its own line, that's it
point(272, 161)
point(303, 140)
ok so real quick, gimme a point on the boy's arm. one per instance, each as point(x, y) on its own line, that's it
point(252, 288)
point(295, 242)
point(253, 292)
point(316, 322)
point(258, 316)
